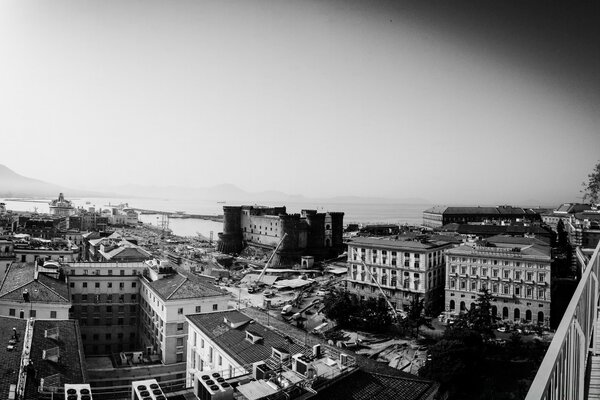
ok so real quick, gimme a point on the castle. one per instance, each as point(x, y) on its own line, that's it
point(307, 234)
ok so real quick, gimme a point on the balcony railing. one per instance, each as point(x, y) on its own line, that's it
point(561, 375)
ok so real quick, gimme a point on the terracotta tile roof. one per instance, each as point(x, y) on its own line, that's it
point(362, 385)
point(233, 341)
point(185, 286)
point(20, 276)
point(10, 361)
point(71, 365)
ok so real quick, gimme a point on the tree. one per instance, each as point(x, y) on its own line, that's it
point(414, 317)
point(375, 314)
point(479, 317)
point(340, 306)
point(591, 189)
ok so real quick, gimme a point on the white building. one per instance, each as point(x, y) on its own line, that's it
point(29, 291)
point(515, 270)
point(402, 267)
point(166, 298)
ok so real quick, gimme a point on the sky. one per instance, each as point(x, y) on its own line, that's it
point(451, 102)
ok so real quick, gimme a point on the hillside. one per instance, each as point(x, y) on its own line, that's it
point(15, 185)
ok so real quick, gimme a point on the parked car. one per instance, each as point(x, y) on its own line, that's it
point(501, 329)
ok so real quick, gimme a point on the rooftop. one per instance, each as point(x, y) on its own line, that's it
point(181, 285)
point(402, 242)
point(362, 385)
point(233, 340)
point(69, 368)
point(10, 360)
point(21, 276)
point(478, 210)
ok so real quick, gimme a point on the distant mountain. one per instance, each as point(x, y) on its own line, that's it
point(235, 195)
point(15, 185)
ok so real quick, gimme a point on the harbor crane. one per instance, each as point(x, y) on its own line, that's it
point(255, 285)
point(381, 290)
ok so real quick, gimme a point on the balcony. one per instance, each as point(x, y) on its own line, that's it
point(571, 367)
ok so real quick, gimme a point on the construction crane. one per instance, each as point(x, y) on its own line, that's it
point(381, 290)
point(257, 282)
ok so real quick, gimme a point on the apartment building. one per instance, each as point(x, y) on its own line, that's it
point(28, 290)
point(515, 270)
point(167, 297)
point(105, 299)
point(404, 267)
point(231, 345)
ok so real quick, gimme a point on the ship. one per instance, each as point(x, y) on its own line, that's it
point(61, 206)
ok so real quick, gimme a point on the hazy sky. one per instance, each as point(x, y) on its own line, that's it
point(435, 100)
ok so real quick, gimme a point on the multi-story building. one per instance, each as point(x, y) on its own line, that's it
point(231, 345)
point(584, 229)
point(167, 297)
point(307, 234)
point(7, 255)
point(563, 212)
point(30, 250)
point(28, 290)
point(115, 248)
point(404, 268)
point(516, 271)
point(439, 216)
point(105, 299)
point(38, 226)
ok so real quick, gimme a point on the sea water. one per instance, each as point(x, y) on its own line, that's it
point(365, 213)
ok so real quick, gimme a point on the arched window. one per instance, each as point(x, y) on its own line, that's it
point(505, 313)
point(462, 306)
point(541, 318)
point(452, 305)
point(517, 314)
point(528, 315)
point(327, 227)
point(327, 242)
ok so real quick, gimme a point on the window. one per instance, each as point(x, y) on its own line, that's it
point(52, 314)
point(180, 311)
point(517, 275)
point(108, 336)
point(517, 291)
point(215, 307)
point(495, 273)
point(108, 308)
point(483, 271)
point(121, 285)
point(179, 357)
point(133, 284)
point(220, 360)
point(84, 297)
point(201, 343)
point(180, 326)
point(11, 312)
point(122, 272)
point(95, 336)
point(541, 277)
point(84, 284)
point(85, 271)
point(109, 284)
point(179, 342)
point(110, 271)
point(120, 321)
point(134, 297)
point(32, 313)
point(506, 274)
point(72, 284)
point(198, 309)
point(97, 285)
